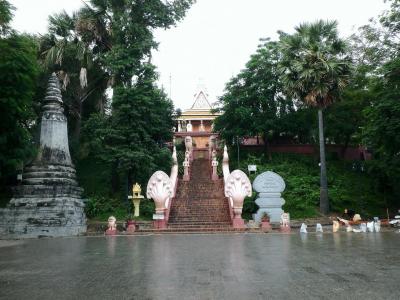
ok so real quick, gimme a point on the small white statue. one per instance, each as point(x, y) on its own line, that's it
point(377, 226)
point(303, 228)
point(370, 226)
point(335, 226)
point(349, 228)
point(237, 187)
point(112, 224)
point(318, 228)
point(159, 188)
point(363, 227)
point(356, 218)
point(285, 220)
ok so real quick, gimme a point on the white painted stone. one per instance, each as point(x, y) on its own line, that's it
point(377, 226)
point(159, 188)
point(269, 185)
point(269, 182)
point(370, 226)
point(303, 228)
point(237, 187)
point(363, 227)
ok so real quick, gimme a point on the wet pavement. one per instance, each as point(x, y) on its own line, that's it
point(226, 266)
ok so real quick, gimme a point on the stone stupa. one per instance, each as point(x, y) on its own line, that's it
point(49, 200)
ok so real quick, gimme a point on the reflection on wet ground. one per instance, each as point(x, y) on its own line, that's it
point(228, 266)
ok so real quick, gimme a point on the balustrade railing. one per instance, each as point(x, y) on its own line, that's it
point(162, 189)
point(236, 186)
point(188, 158)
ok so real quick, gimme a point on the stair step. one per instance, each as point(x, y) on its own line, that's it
point(193, 230)
point(200, 204)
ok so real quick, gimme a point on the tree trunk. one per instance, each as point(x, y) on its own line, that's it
point(323, 200)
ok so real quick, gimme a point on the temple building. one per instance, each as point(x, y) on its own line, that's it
point(197, 121)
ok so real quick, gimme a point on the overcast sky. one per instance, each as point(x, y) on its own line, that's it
point(217, 37)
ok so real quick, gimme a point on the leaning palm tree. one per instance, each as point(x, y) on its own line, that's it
point(314, 69)
point(65, 51)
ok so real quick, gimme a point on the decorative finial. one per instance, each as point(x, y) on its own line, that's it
point(53, 99)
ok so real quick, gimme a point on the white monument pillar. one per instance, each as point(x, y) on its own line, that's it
point(201, 126)
point(189, 127)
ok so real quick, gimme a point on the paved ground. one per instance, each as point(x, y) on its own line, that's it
point(235, 266)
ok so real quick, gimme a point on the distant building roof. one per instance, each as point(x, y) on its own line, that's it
point(201, 107)
point(201, 98)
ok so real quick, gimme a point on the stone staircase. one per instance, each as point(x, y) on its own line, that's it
point(200, 204)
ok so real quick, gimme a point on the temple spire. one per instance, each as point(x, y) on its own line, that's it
point(54, 148)
point(53, 99)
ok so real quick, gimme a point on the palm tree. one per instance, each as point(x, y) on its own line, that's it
point(65, 51)
point(314, 69)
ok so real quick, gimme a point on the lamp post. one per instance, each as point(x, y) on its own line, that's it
point(136, 197)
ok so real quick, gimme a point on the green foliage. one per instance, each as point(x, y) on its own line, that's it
point(315, 65)
point(253, 103)
point(349, 187)
point(338, 129)
point(65, 51)
point(6, 15)
point(100, 208)
point(141, 120)
point(376, 49)
point(130, 141)
point(140, 125)
point(18, 74)
point(381, 132)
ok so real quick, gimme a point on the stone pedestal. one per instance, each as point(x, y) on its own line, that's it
point(269, 185)
point(131, 228)
point(284, 229)
point(110, 232)
point(186, 176)
point(159, 224)
point(238, 223)
point(48, 202)
point(214, 175)
point(266, 227)
point(136, 204)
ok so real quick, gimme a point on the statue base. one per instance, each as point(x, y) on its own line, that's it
point(131, 227)
point(111, 232)
point(159, 224)
point(47, 206)
point(266, 227)
point(238, 223)
point(284, 229)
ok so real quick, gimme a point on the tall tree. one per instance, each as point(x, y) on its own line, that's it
point(141, 118)
point(66, 52)
point(315, 69)
point(381, 131)
point(6, 15)
point(253, 103)
point(18, 75)
point(380, 48)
